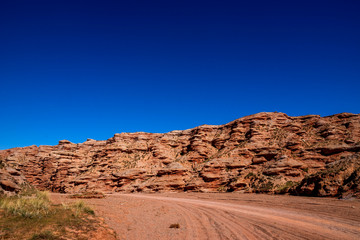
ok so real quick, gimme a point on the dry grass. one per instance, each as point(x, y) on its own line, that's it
point(32, 216)
point(48, 235)
point(88, 195)
point(79, 207)
point(29, 207)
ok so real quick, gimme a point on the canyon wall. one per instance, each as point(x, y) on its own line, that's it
point(265, 152)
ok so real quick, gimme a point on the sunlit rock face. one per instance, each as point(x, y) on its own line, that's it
point(265, 152)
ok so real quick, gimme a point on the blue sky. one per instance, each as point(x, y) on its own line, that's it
point(88, 69)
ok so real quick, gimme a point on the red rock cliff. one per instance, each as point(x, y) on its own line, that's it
point(265, 152)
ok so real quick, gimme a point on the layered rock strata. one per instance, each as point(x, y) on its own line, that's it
point(11, 181)
point(340, 179)
point(265, 152)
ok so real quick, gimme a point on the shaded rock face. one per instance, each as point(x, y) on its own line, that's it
point(258, 153)
point(11, 181)
point(340, 179)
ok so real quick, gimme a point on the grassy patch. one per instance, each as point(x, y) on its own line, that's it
point(79, 207)
point(28, 207)
point(33, 216)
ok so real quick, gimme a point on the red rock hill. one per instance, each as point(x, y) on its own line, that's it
point(265, 152)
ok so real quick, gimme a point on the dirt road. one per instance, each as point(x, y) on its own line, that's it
point(227, 216)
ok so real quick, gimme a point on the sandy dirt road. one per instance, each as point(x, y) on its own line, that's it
point(227, 216)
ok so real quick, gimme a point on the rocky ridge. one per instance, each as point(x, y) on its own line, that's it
point(265, 152)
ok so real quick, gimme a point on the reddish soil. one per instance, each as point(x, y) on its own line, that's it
point(227, 216)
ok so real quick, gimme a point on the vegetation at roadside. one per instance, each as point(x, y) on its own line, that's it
point(31, 215)
point(78, 208)
point(88, 195)
point(284, 188)
point(36, 206)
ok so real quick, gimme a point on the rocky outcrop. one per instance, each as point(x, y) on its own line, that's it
point(339, 179)
point(265, 152)
point(11, 181)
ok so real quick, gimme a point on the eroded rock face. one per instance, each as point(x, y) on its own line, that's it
point(258, 153)
point(11, 181)
point(340, 179)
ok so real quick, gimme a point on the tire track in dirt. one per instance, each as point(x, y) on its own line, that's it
point(285, 224)
point(199, 221)
point(223, 227)
point(239, 216)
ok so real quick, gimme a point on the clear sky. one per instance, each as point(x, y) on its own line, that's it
point(88, 69)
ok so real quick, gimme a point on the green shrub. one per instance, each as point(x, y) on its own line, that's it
point(266, 187)
point(284, 188)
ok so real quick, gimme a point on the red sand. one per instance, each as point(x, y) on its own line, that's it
point(227, 216)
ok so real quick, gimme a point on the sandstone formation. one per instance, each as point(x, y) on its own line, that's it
point(11, 181)
point(340, 178)
point(265, 152)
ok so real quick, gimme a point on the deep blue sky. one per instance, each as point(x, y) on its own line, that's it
point(88, 69)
